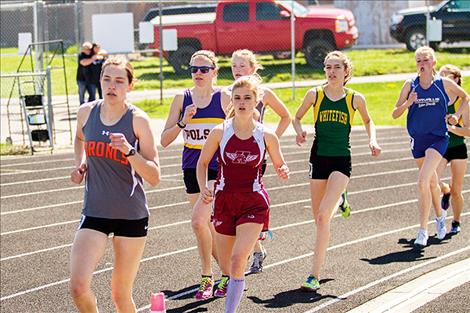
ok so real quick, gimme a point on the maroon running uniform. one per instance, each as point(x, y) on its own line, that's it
point(240, 196)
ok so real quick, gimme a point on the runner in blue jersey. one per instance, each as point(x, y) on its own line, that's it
point(194, 113)
point(426, 98)
point(114, 151)
point(456, 154)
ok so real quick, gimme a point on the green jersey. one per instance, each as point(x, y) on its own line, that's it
point(455, 140)
point(333, 120)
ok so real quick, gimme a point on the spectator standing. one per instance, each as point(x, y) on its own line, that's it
point(85, 59)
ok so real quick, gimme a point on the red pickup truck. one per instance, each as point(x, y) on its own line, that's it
point(263, 26)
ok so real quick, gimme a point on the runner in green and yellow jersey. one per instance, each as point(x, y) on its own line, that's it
point(330, 158)
point(456, 154)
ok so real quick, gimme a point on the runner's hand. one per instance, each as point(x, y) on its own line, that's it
point(78, 174)
point(207, 195)
point(375, 148)
point(119, 142)
point(301, 138)
point(283, 172)
point(189, 112)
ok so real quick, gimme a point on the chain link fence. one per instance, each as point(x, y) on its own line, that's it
point(263, 26)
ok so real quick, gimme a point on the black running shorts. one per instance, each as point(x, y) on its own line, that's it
point(119, 227)
point(456, 153)
point(190, 179)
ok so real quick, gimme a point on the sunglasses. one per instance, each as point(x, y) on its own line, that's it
point(203, 69)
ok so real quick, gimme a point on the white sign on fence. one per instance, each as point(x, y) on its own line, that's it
point(146, 34)
point(24, 40)
point(170, 40)
point(114, 32)
point(434, 30)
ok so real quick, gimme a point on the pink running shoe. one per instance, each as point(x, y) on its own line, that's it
point(205, 289)
point(221, 290)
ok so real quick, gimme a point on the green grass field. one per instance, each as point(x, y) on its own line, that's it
point(365, 62)
point(381, 98)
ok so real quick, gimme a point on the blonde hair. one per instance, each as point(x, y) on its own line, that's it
point(122, 63)
point(428, 51)
point(251, 82)
point(454, 70)
point(249, 56)
point(208, 54)
point(344, 60)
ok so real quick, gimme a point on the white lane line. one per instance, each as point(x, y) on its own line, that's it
point(194, 248)
point(414, 294)
point(269, 190)
point(180, 174)
point(21, 293)
point(300, 151)
point(76, 221)
point(22, 182)
point(41, 207)
point(77, 188)
point(384, 279)
point(180, 187)
point(357, 135)
point(179, 295)
point(69, 159)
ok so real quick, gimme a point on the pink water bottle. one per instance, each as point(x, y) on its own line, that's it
point(157, 303)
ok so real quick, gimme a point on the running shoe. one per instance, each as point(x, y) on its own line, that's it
point(445, 201)
point(205, 289)
point(344, 206)
point(311, 284)
point(421, 240)
point(441, 227)
point(258, 258)
point(455, 227)
point(221, 290)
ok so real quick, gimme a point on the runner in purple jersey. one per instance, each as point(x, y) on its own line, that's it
point(194, 113)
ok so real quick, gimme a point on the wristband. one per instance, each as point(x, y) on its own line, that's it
point(181, 125)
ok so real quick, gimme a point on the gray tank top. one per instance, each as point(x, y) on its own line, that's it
point(113, 189)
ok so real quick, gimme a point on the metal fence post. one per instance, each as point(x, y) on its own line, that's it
point(50, 110)
point(78, 19)
point(38, 10)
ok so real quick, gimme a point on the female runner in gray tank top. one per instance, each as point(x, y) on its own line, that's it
point(114, 151)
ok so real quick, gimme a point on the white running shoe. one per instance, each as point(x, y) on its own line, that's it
point(441, 227)
point(421, 240)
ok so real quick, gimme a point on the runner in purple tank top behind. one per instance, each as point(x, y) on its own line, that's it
point(115, 151)
point(194, 113)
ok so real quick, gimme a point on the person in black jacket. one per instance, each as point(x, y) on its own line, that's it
point(99, 56)
point(85, 59)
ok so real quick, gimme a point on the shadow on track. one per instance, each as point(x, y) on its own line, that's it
point(288, 298)
point(411, 255)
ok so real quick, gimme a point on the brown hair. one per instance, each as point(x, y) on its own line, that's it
point(454, 70)
point(120, 62)
point(208, 54)
point(249, 56)
point(345, 61)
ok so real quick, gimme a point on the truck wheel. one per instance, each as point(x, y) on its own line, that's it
point(180, 58)
point(316, 50)
point(415, 38)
